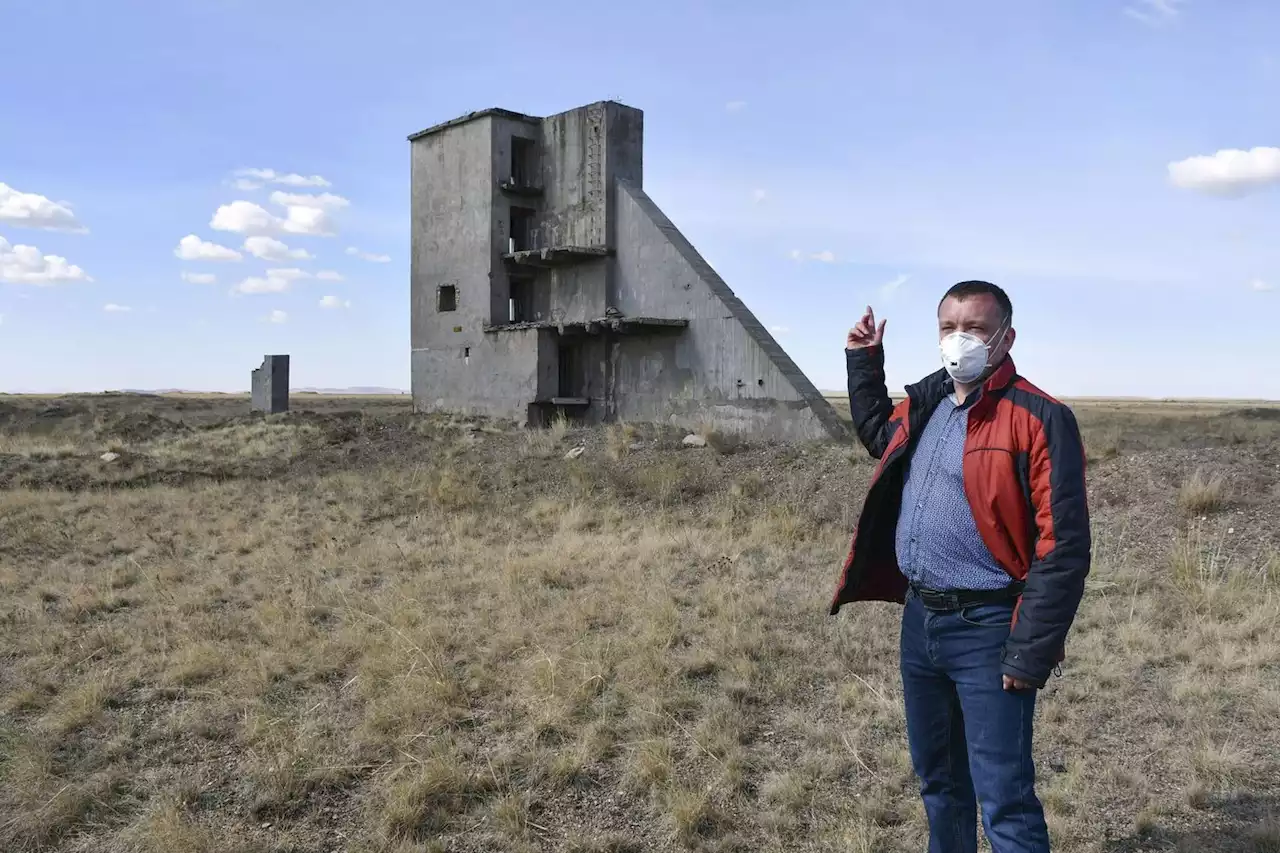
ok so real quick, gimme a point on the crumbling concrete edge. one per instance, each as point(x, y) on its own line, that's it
point(820, 405)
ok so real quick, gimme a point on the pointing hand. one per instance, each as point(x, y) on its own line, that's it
point(866, 333)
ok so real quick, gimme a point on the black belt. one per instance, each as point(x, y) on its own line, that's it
point(956, 599)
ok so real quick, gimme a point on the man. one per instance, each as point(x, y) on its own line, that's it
point(976, 521)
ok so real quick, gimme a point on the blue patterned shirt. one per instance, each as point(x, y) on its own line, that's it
point(937, 540)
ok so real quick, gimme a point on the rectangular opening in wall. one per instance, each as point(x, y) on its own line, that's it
point(522, 228)
point(447, 297)
point(523, 161)
point(520, 306)
point(572, 378)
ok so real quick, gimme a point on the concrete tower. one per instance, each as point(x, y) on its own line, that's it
point(543, 279)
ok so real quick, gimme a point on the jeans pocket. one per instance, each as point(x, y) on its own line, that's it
point(987, 615)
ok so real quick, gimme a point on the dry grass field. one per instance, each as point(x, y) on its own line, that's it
point(350, 629)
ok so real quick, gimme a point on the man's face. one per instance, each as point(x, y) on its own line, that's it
point(978, 315)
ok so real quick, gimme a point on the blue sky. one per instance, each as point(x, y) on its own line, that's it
point(822, 156)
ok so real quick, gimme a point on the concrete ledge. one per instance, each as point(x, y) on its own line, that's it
point(622, 325)
point(529, 190)
point(557, 256)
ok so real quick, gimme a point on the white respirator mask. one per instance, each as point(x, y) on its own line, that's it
point(966, 357)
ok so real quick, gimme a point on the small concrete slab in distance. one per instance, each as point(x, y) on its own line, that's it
point(270, 388)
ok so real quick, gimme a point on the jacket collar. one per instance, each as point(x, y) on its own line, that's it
point(939, 384)
point(1002, 377)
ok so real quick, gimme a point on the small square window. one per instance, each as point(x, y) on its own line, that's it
point(447, 297)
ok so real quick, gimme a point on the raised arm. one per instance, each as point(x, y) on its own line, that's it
point(869, 401)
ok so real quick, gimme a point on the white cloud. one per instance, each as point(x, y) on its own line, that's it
point(272, 281)
point(827, 256)
point(35, 211)
point(258, 284)
point(329, 275)
point(327, 201)
point(112, 308)
point(270, 249)
point(288, 274)
point(889, 288)
point(735, 106)
point(192, 248)
point(245, 217)
point(334, 302)
point(199, 277)
point(26, 265)
point(301, 181)
point(759, 195)
point(1154, 12)
point(368, 256)
point(255, 178)
point(278, 316)
point(1261, 286)
point(1230, 171)
point(780, 330)
point(308, 220)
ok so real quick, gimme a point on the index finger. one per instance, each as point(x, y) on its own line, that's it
point(871, 317)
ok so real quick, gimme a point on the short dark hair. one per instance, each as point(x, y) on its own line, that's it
point(965, 289)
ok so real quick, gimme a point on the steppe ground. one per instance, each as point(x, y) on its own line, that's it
point(352, 629)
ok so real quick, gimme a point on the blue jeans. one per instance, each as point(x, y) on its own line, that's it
point(970, 739)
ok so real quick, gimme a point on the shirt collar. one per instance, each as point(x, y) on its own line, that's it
point(950, 389)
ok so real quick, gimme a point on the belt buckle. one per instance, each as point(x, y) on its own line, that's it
point(935, 599)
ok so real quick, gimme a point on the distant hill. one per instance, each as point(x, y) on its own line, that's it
point(358, 389)
point(152, 392)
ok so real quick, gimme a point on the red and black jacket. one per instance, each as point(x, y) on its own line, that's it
point(1024, 475)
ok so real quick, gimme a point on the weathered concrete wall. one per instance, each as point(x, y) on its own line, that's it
point(624, 144)
point(498, 378)
point(573, 176)
point(451, 240)
point(577, 292)
point(269, 385)
point(455, 366)
point(503, 130)
point(584, 152)
point(725, 369)
point(624, 161)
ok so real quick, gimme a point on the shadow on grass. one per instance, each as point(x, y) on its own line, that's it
point(1242, 823)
